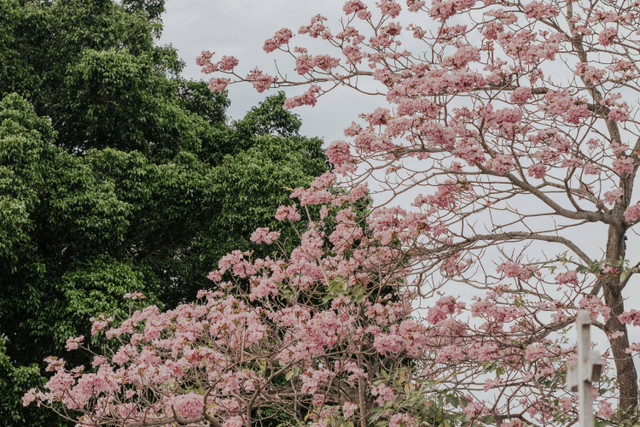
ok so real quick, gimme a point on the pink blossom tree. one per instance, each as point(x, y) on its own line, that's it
point(322, 335)
point(512, 127)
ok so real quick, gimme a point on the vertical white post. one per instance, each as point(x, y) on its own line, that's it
point(585, 367)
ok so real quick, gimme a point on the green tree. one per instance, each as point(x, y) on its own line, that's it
point(117, 175)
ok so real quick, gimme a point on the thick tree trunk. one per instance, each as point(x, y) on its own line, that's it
point(625, 369)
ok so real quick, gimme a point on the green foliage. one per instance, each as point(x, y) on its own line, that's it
point(13, 381)
point(39, 40)
point(152, 8)
point(270, 118)
point(117, 175)
point(96, 286)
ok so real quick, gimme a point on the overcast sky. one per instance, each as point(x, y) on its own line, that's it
point(239, 28)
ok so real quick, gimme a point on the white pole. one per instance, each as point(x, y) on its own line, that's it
point(585, 394)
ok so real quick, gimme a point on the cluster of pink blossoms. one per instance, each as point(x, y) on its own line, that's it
point(212, 360)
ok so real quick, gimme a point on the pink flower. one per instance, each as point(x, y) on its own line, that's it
point(60, 382)
point(307, 98)
point(538, 171)
point(596, 307)
point(623, 165)
point(304, 64)
point(261, 81)
point(483, 352)
point(611, 197)
point(454, 265)
point(359, 192)
point(99, 360)
point(204, 60)
point(214, 276)
point(415, 5)
point(353, 6)
point(99, 324)
point(521, 95)
point(462, 57)
point(566, 403)
point(312, 379)
point(338, 152)
point(288, 212)
point(280, 37)
point(390, 7)
point(74, 343)
point(630, 317)
point(227, 63)
point(401, 420)
point(535, 351)
point(316, 28)
point(605, 410)
point(121, 357)
point(188, 406)
point(473, 409)
point(589, 73)
point(135, 295)
point(501, 163)
point(324, 212)
point(235, 421)
point(348, 408)
point(263, 235)
point(444, 308)
point(380, 116)
point(540, 10)
point(265, 287)
point(567, 277)
point(444, 9)
point(449, 353)
point(218, 84)
point(384, 393)
point(388, 343)
point(319, 400)
point(563, 104)
point(325, 62)
point(632, 213)
point(513, 269)
point(29, 397)
point(592, 169)
point(619, 114)
point(607, 36)
point(353, 54)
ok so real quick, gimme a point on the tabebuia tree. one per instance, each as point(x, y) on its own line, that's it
point(321, 334)
point(510, 147)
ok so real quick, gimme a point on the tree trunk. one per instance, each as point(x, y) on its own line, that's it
point(625, 369)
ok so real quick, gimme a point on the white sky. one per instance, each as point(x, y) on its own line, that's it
point(239, 28)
